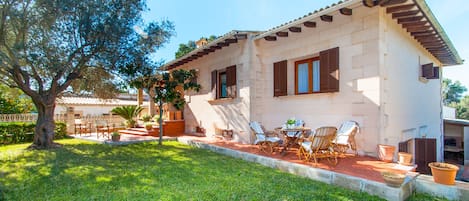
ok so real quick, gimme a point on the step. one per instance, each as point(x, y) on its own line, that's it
point(140, 132)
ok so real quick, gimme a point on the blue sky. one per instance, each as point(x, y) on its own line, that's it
point(194, 19)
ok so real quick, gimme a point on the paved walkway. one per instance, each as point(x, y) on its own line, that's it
point(125, 138)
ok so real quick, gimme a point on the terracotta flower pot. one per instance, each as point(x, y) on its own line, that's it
point(393, 179)
point(405, 158)
point(443, 173)
point(386, 152)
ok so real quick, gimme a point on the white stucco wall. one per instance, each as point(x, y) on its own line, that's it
point(85, 109)
point(411, 106)
point(358, 98)
point(202, 111)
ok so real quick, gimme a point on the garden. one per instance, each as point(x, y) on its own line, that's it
point(83, 170)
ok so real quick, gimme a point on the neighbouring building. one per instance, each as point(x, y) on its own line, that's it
point(375, 62)
point(456, 133)
point(91, 106)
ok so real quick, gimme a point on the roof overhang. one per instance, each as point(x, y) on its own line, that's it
point(217, 44)
point(413, 15)
point(461, 122)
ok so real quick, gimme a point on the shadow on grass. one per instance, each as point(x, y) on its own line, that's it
point(151, 172)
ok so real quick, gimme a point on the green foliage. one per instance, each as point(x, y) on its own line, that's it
point(85, 171)
point(146, 118)
point(128, 112)
point(462, 108)
point(189, 46)
point(14, 101)
point(452, 91)
point(20, 132)
point(452, 96)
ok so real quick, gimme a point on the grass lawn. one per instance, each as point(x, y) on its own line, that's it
point(86, 171)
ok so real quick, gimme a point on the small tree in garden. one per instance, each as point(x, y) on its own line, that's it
point(170, 88)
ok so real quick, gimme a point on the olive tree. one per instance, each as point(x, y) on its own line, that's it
point(46, 46)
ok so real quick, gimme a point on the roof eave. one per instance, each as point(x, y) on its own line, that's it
point(426, 10)
point(300, 21)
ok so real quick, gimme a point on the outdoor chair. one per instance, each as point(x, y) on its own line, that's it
point(319, 145)
point(345, 138)
point(82, 127)
point(103, 129)
point(267, 143)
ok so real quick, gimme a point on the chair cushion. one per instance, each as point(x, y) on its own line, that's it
point(256, 127)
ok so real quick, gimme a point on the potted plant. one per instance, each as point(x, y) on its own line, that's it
point(291, 123)
point(146, 118)
point(443, 173)
point(149, 126)
point(115, 136)
point(129, 113)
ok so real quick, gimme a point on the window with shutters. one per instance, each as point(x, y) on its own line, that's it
point(224, 83)
point(430, 72)
point(318, 74)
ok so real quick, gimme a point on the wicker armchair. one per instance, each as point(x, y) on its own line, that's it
point(319, 145)
point(266, 143)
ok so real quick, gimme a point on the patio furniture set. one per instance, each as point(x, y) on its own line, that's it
point(323, 143)
point(102, 127)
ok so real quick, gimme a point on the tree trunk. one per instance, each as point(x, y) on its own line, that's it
point(160, 121)
point(151, 102)
point(45, 126)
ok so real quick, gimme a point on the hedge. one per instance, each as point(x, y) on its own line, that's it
point(20, 132)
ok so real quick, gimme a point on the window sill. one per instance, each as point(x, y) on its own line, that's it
point(423, 80)
point(221, 101)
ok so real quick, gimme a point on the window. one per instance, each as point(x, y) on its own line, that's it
point(430, 72)
point(224, 83)
point(318, 74)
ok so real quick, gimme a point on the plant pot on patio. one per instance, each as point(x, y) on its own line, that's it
point(443, 173)
point(386, 152)
point(393, 179)
point(404, 158)
point(115, 136)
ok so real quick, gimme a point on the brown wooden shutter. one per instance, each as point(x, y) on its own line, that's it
point(329, 70)
point(214, 84)
point(427, 71)
point(280, 78)
point(436, 73)
point(231, 82)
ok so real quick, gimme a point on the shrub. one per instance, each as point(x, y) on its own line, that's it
point(20, 132)
point(146, 118)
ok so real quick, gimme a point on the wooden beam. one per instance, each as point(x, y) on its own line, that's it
point(409, 13)
point(386, 3)
point(411, 24)
point(346, 11)
point(369, 3)
point(426, 33)
point(421, 28)
point(216, 47)
point(326, 18)
point(409, 19)
point(270, 38)
point(295, 29)
point(309, 24)
point(231, 40)
point(425, 40)
point(222, 44)
point(400, 8)
point(282, 34)
point(241, 36)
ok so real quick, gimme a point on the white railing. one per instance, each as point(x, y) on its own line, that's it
point(114, 119)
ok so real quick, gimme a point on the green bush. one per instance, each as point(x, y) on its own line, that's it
point(20, 132)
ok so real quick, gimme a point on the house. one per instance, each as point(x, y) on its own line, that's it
point(375, 62)
point(91, 106)
point(455, 132)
